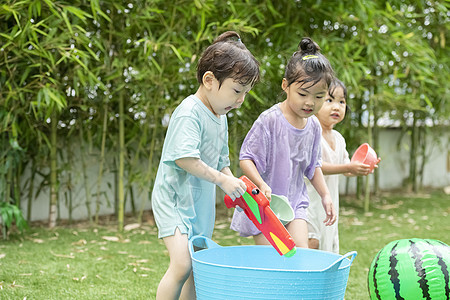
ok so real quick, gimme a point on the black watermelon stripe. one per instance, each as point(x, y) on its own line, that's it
point(394, 273)
point(443, 266)
point(375, 284)
point(423, 282)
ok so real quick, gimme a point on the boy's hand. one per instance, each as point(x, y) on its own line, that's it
point(329, 211)
point(232, 186)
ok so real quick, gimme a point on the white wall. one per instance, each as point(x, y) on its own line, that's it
point(393, 170)
point(394, 166)
point(40, 207)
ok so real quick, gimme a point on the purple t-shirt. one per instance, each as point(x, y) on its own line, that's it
point(283, 155)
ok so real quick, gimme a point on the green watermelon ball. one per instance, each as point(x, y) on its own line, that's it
point(411, 269)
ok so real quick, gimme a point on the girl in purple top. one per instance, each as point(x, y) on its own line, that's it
point(283, 144)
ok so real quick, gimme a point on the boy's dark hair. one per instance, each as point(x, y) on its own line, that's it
point(308, 65)
point(227, 57)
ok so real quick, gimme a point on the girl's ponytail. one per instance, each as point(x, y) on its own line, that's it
point(308, 47)
point(228, 36)
point(307, 65)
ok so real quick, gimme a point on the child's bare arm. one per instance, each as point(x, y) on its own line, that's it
point(250, 170)
point(354, 168)
point(232, 186)
point(227, 171)
point(319, 184)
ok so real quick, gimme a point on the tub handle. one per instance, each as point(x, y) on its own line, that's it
point(336, 265)
point(198, 243)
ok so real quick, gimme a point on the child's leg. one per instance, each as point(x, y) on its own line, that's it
point(298, 229)
point(313, 243)
point(260, 239)
point(180, 268)
point(314, 233)
point(188, 290)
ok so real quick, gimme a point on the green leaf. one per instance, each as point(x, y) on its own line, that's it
point(428, 102)
point(175, 50)
point(155, 63)
point(255, 95)
point(6, 36)
point(82, 15)
point(24, 76)
point(66, 20)
point(60, 101)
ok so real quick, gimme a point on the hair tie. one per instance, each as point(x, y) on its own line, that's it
point(306, 57)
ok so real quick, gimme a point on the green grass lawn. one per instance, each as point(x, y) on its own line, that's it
point(80, 262)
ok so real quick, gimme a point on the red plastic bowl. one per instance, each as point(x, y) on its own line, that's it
point(366, 155)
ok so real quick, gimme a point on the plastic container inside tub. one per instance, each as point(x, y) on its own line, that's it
point(282, 208)
point(256, 272)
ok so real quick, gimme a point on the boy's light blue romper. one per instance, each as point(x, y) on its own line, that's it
point(180, 199)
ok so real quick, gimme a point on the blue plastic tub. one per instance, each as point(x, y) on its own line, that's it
point(258, 272)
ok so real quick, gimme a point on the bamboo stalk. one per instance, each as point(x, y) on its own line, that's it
point(8, 185)
point(69, 197)
point(132, 166)
point(53, 173)
point(369, 140)
point(413, 155)
point(423, 142)
point(358, 178)
point(85, 177)
point(70, 200)
point(376, 175)
point(150, 165)
point(102, 160)
point(121, 199)
point(133, 205)
point(16, 187)
point(31, 189)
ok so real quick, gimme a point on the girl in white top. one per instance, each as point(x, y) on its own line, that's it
point(335, 161)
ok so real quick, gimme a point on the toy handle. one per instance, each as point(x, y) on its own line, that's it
point(198, 243)
point(336, 265)
point(228, 202)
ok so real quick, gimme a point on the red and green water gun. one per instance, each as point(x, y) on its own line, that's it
point(257, 208)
